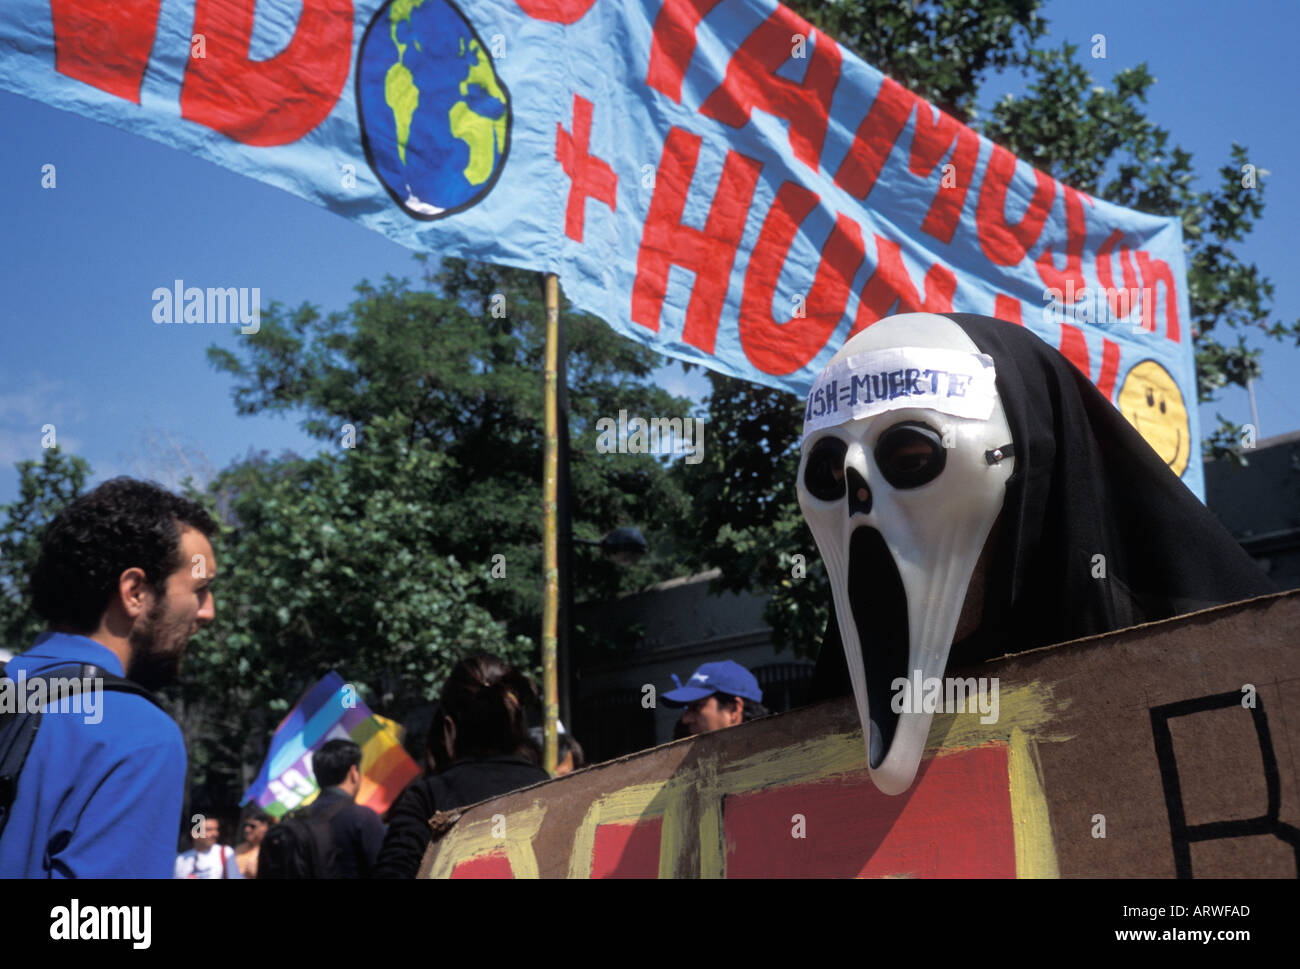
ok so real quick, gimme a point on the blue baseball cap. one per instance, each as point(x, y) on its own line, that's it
point(723, 677)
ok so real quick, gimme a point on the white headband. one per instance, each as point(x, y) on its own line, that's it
point(950, 381)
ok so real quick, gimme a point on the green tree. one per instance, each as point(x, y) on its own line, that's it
point(328, 563)
point(458, 365)
point(414, 536)
point(940, 49)
point(44, 487)
point(1096, 139)
point(1100, 141)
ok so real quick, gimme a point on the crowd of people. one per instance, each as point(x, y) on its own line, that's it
point(119, 583)
point(477, 749)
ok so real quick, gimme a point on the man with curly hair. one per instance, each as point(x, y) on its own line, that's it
point(124, 580)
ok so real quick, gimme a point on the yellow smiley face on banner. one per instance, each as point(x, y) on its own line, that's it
point(1152, 402)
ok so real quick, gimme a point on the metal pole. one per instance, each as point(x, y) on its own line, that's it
point(550, 557)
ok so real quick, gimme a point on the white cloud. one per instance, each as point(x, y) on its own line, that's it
point(694, 385)
point(24, 412)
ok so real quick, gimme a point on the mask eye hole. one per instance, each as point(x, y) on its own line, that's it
point(823, 476)
point(910, 454)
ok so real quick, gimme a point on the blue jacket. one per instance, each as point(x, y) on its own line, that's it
point(95, 799)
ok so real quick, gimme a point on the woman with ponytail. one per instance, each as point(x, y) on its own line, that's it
point(482, 735)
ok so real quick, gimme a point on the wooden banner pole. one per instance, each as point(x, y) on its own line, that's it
point(550, 531)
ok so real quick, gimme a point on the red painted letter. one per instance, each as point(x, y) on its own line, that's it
point(589, 177)
point(1122, 303)
point(556, 11)
point(1075, 348)
point(890, 284)
point(930, 143)
point(674, 43)
point(270, 102)
point(875, 136)
point(782, 348)
point(1076, 229)
point(1007, 308)
point(105, 45)
point(665, 241)
point(752, 82)
point(1006, 244)
point(1155, 272)
point(1109, 367)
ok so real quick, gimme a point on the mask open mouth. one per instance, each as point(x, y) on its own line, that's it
point(879, 604)
point(903, 472)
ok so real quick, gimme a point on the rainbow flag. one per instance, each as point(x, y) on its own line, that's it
point(331, 710)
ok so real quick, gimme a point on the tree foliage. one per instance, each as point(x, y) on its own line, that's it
point(44, 487)
point(441, 364)
point(414, 536)
point(939, 50)
point(1100, 141)
point(329, 563)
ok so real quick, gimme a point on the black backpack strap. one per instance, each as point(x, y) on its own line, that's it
point(119, 684)
point(17, 732)
point(325, 850)
point(328, 814)
point(89, 671)
point(18, 729)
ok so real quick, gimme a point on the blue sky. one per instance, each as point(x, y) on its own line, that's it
point(79, 350)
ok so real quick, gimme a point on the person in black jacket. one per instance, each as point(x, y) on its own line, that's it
point(482, 733)
point(356, 829)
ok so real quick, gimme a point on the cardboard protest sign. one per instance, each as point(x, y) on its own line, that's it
point(1159, 751)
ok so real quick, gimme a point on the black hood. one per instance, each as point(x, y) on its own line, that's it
point(1086, 484)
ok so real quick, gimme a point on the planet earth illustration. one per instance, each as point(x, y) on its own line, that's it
point(435, 116)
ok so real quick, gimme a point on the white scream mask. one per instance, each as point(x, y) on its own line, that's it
point(906, 455)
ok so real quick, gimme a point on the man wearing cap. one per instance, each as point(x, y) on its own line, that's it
point(717, 695)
